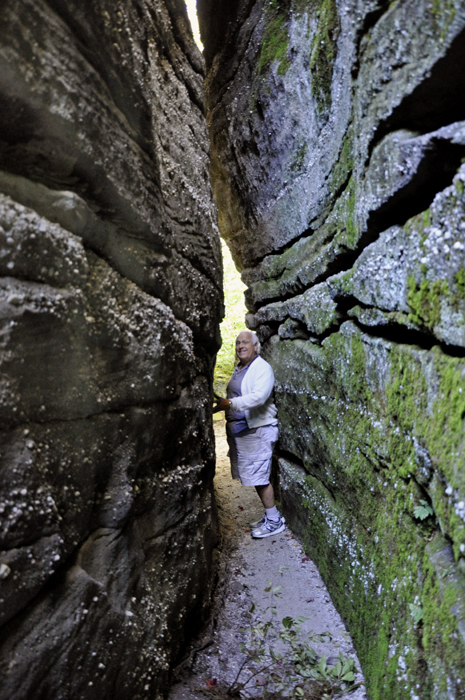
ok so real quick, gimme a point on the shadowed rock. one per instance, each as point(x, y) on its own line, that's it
point(110, 298)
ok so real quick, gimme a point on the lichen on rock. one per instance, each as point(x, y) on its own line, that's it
point(353, 260)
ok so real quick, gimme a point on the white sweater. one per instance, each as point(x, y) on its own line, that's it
point(257, 395)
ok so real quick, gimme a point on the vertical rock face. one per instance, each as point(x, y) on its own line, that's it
point(338, 139)
point(110, 298)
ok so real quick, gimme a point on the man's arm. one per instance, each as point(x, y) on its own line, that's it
point(263, 383)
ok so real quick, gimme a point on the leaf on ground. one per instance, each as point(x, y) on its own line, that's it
point(322, 665)
point(260, 680)
point(212, 683)
point(348, 677)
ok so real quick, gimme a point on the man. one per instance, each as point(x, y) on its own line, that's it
point(252, 428)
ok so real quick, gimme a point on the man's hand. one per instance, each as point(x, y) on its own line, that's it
point(221, 405)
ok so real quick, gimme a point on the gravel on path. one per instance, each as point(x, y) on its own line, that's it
point(247, 567)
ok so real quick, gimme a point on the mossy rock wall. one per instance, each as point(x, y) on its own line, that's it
point(380, 438)
point(338, 140)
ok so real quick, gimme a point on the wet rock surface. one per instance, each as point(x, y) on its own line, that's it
point(110, 298)
point(337, 147)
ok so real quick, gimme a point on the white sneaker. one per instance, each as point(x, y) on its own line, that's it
point(269, 527)
point(258, 523)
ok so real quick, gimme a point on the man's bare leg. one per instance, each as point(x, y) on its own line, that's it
point(266, 494)
point(272, 522)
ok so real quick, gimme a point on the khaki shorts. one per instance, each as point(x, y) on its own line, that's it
point(250, 455)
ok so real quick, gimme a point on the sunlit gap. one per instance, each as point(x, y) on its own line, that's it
point(191, 6)
point(234, 320)
point(234, 323)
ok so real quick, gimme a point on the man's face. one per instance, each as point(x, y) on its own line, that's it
point(245, 348)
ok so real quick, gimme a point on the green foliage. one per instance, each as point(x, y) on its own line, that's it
point(417, 612)
point(290, 667)
point(233, 322)
point(423, 511)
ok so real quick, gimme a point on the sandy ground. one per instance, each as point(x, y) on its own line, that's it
point(247, 567)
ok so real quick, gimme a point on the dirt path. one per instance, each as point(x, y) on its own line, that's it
point(247, 567)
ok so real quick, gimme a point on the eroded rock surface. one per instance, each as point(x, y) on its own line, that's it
point(338, 138)
point(110, 298)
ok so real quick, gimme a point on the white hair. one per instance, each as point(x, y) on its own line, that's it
point(255, 339)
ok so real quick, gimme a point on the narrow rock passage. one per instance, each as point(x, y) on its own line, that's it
point(247, 566)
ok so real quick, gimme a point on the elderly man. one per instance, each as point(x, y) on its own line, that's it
point(252, 428)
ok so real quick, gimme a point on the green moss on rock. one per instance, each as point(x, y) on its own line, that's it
point(444, 12)
point(323, 52)
point(298, 159)
point(344, 166)
point(425, 301)
point(379, 427)
point(275, 42)
point(460, 282)
point(352, 231)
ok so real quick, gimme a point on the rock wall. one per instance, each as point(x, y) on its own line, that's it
point(110, 298)
point(337, 148)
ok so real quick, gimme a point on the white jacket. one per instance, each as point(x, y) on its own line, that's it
point(257, 395)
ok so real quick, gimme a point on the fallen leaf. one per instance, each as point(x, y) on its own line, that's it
point(212, 682)
point(246, 530)
point(241, 507)
point(305, 559)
